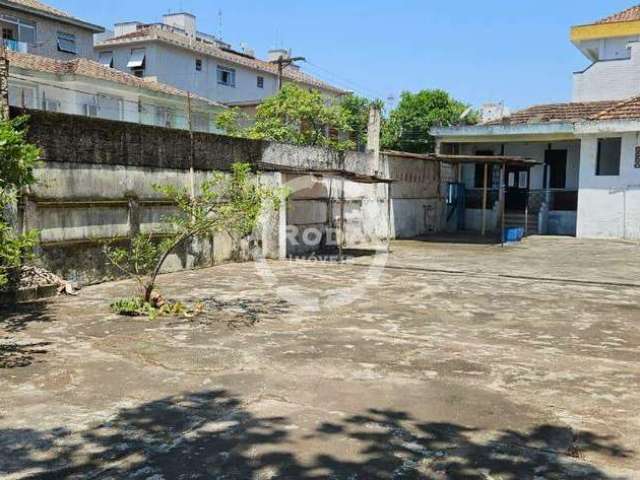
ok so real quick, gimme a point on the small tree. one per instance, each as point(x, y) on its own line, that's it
point(18, 159)
point(356, 110)
point(227, 203)
point(409, 124)
point(294, 115)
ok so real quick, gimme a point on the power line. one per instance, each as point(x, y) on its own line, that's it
point(346, 80)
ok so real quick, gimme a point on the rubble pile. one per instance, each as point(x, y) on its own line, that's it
point(33, 277)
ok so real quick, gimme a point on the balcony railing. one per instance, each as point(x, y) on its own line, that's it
point(15, 45)
point(554, 199)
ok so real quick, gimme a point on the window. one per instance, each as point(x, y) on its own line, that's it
point(556, 162)
point(90, 110)
point(479, 173)
point(7, 34)
point(14, 28)
point(137, 61)
point(106, 59)
point(22, 96)
point(260, 82)
point(164, 117)
point(226, 76)
point(110, 107)
point(200, 121)
point(608, 161)
point(50, 104)
point(198, 65)
point(27, 32)
point(67, 43)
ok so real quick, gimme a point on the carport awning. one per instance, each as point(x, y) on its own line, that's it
point(500, 159)
point(349, 175)
point(438, 157)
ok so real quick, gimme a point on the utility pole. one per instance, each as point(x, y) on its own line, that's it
point(192, 150)
point(4, 82)
point(283, 62)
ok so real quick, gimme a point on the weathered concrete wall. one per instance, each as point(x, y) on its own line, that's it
point(315, 208)
point(96, 184)
point(78, 207)
point(416, 200)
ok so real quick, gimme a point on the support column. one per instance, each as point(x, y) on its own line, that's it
point(484, 199)
point(502, 202)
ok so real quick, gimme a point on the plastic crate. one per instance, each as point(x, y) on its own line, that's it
point(514, 234)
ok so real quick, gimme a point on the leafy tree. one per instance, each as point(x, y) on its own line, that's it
point(294, 115)
point(356, 109)
point(18, 159)
point(409, 124)
point(230, 203)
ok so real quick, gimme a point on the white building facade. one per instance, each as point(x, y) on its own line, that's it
point(176, 53)
point(29, 26)
point(84, 87)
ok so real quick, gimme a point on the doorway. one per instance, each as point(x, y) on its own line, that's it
point(517, 188)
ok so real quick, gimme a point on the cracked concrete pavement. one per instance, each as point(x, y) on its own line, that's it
point(458, 361)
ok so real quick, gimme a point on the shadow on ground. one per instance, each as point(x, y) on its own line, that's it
point(14, 319)
point(211, 435)
point(243, 312)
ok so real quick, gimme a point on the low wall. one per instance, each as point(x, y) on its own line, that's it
point(562, 223)
point(96, 185)
point(416, 203)
point(315, 209)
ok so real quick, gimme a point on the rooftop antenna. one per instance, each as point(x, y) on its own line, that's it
point(220, 23)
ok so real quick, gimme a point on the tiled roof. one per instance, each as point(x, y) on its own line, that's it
point(625, 110)
point(156, 33)
point(91, 69)
point(629, 15)
point(555, 112)
point(37, 6)
point(628, 109)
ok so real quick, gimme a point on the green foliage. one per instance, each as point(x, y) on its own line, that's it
point(137, 307)
point(18, 159)
point(409, 124)
point(233, 122)
point(295, 115)
point(356, 110)
point(131, 307)
point(229, 203)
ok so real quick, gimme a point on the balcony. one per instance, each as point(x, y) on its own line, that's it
point(15, 45)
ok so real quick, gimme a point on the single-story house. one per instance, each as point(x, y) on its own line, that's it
point(587, 182)
point(84, 87)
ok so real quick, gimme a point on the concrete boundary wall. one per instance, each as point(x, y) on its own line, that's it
point(97, 176)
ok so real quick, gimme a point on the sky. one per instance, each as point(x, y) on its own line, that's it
point(512, 51)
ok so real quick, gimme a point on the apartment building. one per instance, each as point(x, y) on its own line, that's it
point(30, 26)
point(175, 52)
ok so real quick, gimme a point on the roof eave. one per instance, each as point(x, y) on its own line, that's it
point(524, 129)
point(593, 127)
point(60, 18)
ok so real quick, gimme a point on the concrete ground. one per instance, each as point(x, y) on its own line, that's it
point(455, 361)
